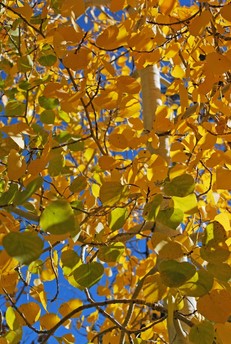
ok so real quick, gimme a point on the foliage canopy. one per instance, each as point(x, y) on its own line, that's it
point(89, 202)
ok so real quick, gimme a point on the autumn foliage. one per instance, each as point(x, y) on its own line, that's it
point(105, 236)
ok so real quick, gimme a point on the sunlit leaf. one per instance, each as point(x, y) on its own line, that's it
point(25, 247)
point(111, 192)
point(86, 275)
point(187, 204)
point(117, 218)
point(49, 320)
point(69, 261)
point(153, 288)
point(170, 217)
point(11, 319)
point(58, 218)
point(69, 306)
point(151, 209)
point(200, 284)
point(111, 253)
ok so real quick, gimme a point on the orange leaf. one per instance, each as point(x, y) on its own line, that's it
point(199, 24)
point(223, 179)
point(221, 62)
point(215, 306)
point(223, 332)
point(77, 60)
point(68, 6)
point(166, 7)
point(117, 5)
point(26, 11)
point(226, 12)
point(128, 84)
point(118, 141)
point(16, 165)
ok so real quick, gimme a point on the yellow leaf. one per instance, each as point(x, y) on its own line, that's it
point(48, 321)
point(69, 306)
point(178, 72)
point(215, 306)
point(224, 220)
point(153, 288)
point(38, 293)
point(113, 37)
point(128, 84)
point(223, 178)
point(16, 165)
point(166, 7)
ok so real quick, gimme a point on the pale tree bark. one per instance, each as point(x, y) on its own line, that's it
point(151, 99)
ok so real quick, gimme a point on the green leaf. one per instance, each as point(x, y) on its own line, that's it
point(174, 274)
point(202, 333)
point(25, 64)
point(215, 252)
point(78, 184)
point(221, 271)
point(47, 60)
point(215, 233)
point(151, 209)
point(180, 186)
point(32, 187)
point(48, 103)
point(76, 146)
point(64, 116)
point(8, 196)
point(86, 275)
point(200, 284)
point(58, 218)
point(187, 204)
point(14, 336)
point(47, 117)
point(25, 247)
point(69, 261)
point(111, 193)
point(170, 217)
point(111, 253)
point(56, 164)
point(36, 266)
point(15, 108)
point(117, 218)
